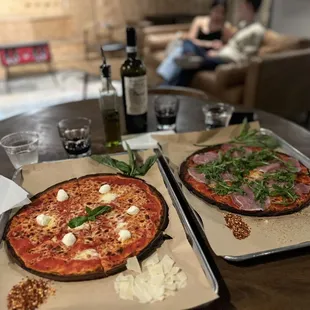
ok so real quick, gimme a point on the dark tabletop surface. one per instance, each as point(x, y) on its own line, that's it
point(278, 282)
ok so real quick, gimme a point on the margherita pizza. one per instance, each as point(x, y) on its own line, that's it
point(247, 180)
point(86, 228)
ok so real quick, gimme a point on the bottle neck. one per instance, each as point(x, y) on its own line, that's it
point(107, 84)
point(131, 52)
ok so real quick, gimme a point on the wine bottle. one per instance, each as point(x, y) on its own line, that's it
point(134, 81)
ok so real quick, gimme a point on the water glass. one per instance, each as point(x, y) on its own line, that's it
point(75, 136)
point(217, 115)
point(21, 147)
point(166, 109)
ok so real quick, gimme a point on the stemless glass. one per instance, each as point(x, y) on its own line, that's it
point(75, 136)
point(166, 109)
point(217, 115)
point(21, 148)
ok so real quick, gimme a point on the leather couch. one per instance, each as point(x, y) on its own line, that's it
point(276, 80)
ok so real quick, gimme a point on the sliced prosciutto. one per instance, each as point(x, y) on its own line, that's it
point(204, 158)
point(227, 147)
point(199, 177)
point(247, 201)
point(228, 177)
point(295, 163)
point(269, 168)
point(301, 189)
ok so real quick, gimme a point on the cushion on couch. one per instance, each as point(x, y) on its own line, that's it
point(207, 81)
point(159, 41)
point(231, 74)
point(154, 58)
point(283, 43)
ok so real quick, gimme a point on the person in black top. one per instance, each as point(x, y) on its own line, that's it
point(206, 33)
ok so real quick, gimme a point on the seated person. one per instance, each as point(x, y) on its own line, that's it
point(242, 46)
point(206, 32)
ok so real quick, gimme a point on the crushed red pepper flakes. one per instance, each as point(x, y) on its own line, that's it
point(29, 294)
point(240, 229)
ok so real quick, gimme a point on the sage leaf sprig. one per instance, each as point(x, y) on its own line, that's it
point(132, 168)
point(91, 216)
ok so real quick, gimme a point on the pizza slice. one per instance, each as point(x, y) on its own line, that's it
point(117, 242)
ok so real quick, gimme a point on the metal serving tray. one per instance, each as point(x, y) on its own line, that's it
point(196, 245)
point(17, 178)
point(290, 150)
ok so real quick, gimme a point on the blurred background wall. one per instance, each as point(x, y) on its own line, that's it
point(291, 17)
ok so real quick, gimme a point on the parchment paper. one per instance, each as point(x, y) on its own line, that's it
point(267, 233)
point(100, 294)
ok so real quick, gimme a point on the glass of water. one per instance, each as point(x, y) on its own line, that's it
point(21, 147)
point(75, 136)
point(166, 109)
point(217, 115)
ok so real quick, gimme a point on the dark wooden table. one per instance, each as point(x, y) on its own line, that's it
point(278, 282)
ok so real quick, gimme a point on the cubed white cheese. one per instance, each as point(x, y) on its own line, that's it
point(133, 264)
point(43, 220)
point(69, 239)
point(62, 195)
point(167, 264)
point(156, 281)
point(133, 210)
point(124, 235)
point(152, 260)
point(104, 189)
point(126, 288)
point(155, 270)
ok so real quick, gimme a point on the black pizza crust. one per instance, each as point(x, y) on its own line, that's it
point(147, 251)
point(226, 207)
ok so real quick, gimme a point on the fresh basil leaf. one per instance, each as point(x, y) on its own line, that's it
point(92, 218)
point(78, 221)
point(132, 161)
point(100, 210)
point(147, 165)
point(123, 167)
point(88, 210)
point(113, 163)
point(104, 160)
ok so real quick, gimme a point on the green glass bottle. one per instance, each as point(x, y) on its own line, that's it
point(134, 81)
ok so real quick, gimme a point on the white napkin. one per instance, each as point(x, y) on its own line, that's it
point(145, 141)
point(11, 194)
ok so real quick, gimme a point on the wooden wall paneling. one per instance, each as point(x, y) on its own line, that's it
point(31, 7)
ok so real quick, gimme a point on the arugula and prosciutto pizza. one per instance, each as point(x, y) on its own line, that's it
point(247, 180)
point(86, 228)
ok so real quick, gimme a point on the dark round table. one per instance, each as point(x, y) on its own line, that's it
point(278, 282)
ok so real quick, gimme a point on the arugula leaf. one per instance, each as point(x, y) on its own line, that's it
point(77, 221)
point(240, 168)
point(253, 137)
point(88, 210)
